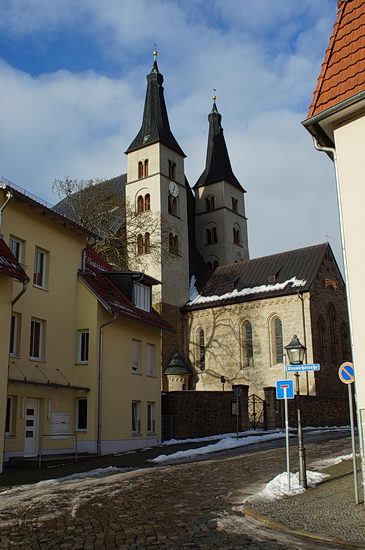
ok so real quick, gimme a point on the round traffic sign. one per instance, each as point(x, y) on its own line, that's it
point(346, 373)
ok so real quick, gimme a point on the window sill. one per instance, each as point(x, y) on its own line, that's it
point(136, 434)
point(151, 433)
point(37, 359)
point(40, 287)
point(10, 436)
point(137, 372)
point(174, 215)
point(82, 363)
point(81, 431)
point(151, 375)
point(14, 356)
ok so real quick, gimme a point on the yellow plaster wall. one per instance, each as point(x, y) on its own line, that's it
point(6, 286)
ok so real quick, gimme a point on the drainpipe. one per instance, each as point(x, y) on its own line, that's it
point(100, 382)
point(9, 196)
point(332, 151)
point(301, 297)
point(25, 286)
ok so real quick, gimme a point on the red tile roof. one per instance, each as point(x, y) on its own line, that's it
point(112, 297)
point(9, 264)
point(343, 69)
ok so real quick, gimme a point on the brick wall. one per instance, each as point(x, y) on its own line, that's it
point(200, 413)
point(315, 411)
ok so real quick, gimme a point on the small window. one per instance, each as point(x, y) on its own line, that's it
point(247, 342)
point(136, 417)
point(208, 236)
point(147, 243)
point(14, 335)
point(83, 346)
point(210, 203)
point(151, 358)
point(172, 170)
point(140, 244)
point(40, 265)
point(140, 170)
point(214, 235)
point(234, 204)
point(174, 246)
point(16, 246)
point(277, 340)
point(151, 421)
point(236, 235)
point(172, 205)
point(10, 416)
point(146, 168)
point(140, 204)
point(147, 202)
point(136, 356)
point(215, 263)
point(201, 346)
point(81, 415)
point(142, 296)
point(36, 339)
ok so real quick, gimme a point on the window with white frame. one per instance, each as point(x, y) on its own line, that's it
point(151, 354)
point(16, 246)
point(14, 335)
point(142, 296)
point(40, 268)
point(82, 346)
point(136, 417)
point(151, 420)
point(36, 339)
point(136, 356)
point(81, 415)
point(9, 418)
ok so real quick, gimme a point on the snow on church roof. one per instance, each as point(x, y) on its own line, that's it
point(276, 275)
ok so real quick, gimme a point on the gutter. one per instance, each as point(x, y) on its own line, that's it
point(100, 382)
point(9, 195)
point(25, 286)
point(332, 151)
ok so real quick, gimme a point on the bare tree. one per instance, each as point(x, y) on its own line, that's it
point(129, 239)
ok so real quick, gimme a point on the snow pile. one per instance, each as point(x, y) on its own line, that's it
point(222, 445)
point(326, 462)
point(216, 436)
point(196, 298)
point(278, 487)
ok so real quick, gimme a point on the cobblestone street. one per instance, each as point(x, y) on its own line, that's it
point(195, 505)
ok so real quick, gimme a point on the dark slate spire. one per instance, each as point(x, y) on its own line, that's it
point(155, 124)
point(217, 166)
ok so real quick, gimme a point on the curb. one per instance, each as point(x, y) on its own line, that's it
point(280, 527)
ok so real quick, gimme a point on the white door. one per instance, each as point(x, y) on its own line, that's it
point(31, 427)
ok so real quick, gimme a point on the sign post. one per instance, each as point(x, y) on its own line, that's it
point(237, 392)
point(346, 373)
point(285, 390)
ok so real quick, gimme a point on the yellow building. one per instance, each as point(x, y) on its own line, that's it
point(83, 355)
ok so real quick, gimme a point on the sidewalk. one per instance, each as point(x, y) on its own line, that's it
point(326, 512)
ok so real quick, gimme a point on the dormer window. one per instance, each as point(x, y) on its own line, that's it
point(142, 296)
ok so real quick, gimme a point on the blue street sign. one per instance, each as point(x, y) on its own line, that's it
point(346, 373)
point(284, 389)
point(303, 368)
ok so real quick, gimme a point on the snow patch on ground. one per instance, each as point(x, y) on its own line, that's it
point(326, 462)
point(278, 487)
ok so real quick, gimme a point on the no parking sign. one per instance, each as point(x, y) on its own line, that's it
point(346, 373)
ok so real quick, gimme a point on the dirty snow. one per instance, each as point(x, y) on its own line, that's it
point(326, 462)
point(278, 487)
point(196, 298)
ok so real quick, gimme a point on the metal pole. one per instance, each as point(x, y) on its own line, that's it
point(356, 487)
point(287, 439)
point(237, 411)
point(301, 449)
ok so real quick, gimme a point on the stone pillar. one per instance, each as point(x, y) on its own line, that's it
point(273, 409)
point(243, 402)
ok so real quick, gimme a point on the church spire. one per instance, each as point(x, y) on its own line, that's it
point(217, 166)
point(155, 123)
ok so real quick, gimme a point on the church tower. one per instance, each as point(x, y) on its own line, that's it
point(221, 223)
point(157, 210)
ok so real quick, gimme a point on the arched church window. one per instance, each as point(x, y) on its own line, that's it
point(207, 203)
point(140, 204)
point(140, 244)
point(172, 205)
point(147, 243)
point(176, 245)
point(234, 204)
point(236, 235)
point(214, 235)
point(171, 243)
point(331, 314)
point(140, 170)
point(208, 235)
point(172, 170)
point(146, 168)
point(215, 263)
point(321, 331)
point(276, 334)
point(210, 202)
point(201, 349)
point(247, 344)
point(147, 202)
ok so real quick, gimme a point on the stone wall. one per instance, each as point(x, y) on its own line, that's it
point(200, 413)
point(315, 411)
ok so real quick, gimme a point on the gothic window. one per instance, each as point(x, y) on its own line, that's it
point(146, 168)
point(321, 340)
point(147, 202)
point(147, 243)
point(140, 170)
point(201, 349)
point(346, 356)
point(247, 344)
point(140, 204)
point(140, 244)
point(332, 329)
point(276, 334)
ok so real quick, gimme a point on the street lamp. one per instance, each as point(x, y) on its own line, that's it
point(223, 381)
point(296, 351)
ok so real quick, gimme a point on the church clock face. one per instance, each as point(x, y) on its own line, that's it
point(173, 189)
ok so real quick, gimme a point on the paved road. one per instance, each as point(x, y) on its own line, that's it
point(195, 506)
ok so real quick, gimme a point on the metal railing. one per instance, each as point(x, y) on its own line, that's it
point(63, 436)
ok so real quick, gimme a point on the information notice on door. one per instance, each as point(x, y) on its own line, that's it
point(60, 424)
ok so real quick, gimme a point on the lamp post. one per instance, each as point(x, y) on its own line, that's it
point(223, 381)
point(296, 351)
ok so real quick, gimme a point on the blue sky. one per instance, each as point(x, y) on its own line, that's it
point(72, 76)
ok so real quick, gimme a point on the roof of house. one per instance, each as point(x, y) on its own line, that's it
point(9, 264)
point(267, 277)
point(93, 276)
point(218, 165)
point(155, 123)
point(343, 70)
